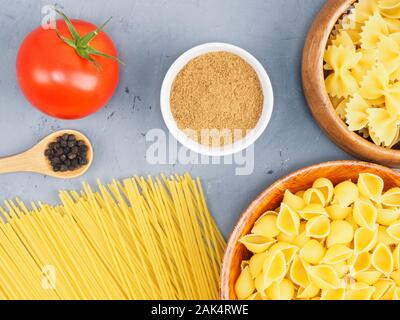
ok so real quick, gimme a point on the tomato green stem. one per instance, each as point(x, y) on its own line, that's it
point(81, 44)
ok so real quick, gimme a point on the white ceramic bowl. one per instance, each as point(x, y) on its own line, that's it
point(252, 136)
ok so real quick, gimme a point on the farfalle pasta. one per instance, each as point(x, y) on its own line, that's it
point(362, 70)
point(329, 242)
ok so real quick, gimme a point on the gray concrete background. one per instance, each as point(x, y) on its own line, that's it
point(150, 35)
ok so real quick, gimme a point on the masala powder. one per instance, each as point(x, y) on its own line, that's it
point(217, 91)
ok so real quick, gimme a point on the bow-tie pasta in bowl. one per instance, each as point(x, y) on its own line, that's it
point(358, 78)
point(331, 239)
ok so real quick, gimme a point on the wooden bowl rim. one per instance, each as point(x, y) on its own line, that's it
point(235, 235)
point(314, 86)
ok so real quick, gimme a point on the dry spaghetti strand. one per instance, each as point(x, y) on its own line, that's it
point(136, 239)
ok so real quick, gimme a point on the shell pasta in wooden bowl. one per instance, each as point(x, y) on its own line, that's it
point(330, 232)
point(351, 76)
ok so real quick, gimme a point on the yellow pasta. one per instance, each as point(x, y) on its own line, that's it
point(312, 252)
point(324, 277)
point(365, 214)
point(256, 243)
point(266, 226)
point(256, 264)
point(274, 269)
point(382, 259)
point(283, 290)
point(346, 193)
point(338, 294)
point(384, 237)
point(337, 212)
point(337, 254)
point(318, 227)
point(244, 285)
point(386, 217)
point(312, 210)
point(362, 67)
point(370, 186)
point(369, 277)
point(394, 231)
point(360, 263)
point(341, 233)
point(136, 239)
point(308, 292)
point(391, 198)
point(341, 83)
point(360, 292)
point(330, 243)
point(295, 202)
point(288, 221)
point(299, 274)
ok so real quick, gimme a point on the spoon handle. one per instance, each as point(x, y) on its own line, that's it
point(25, 162)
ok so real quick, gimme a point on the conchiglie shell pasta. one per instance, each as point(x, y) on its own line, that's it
point(346, 193)
point(385, 238)
point(313, 210)
point(327, 243)
point(382, 259)
point(293, 201)
point(370, 186)
point(257, 244)
point(336, 254)
point(326, 187)
point(301, 239)
point(274, 268)
point(256, 264)
point(267, 225)
point(341, 268)
point(298, 273)
point(324, 277)
point(334, 295)
point(283, 290)
point(387, 216)
point(337, 212)
point(314, 196)
point(396, 294)
point(365, 214)
point(312, 252)
point(288, 221)
point(309, 292)
point(391, 198)
point(394, 231)
point(369, 277)
point(396, 257)
point(396, 277)
point(360, 263)
point(244, 285)
point(289, 250)
point(365, 240)
point(255, 297)
point(287, 238)
point(342, 232)
point(361, 293)
point(383, 289)
point(318, 227)
point(259, 284)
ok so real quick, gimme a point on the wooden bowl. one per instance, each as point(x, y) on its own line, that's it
point(317, 96)
point(271, 198)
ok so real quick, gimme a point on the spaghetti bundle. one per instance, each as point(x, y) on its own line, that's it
point(135, 239)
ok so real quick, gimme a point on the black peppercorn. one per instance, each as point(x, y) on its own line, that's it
point(66, 153)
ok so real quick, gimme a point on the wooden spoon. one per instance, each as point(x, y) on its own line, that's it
point(34, 160)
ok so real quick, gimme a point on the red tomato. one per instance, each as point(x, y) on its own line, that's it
point(60, 83)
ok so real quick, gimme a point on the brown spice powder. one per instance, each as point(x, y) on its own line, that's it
point(218, 91)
